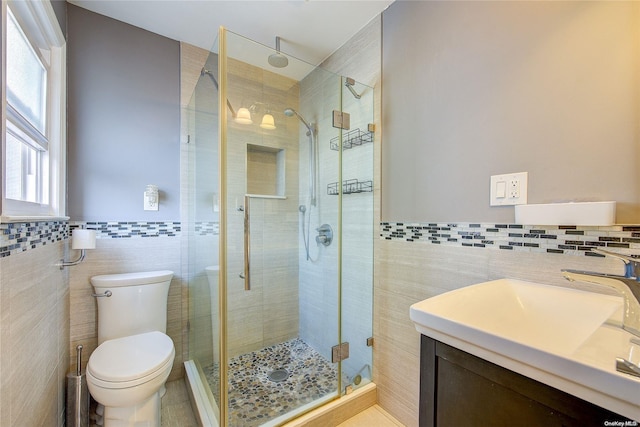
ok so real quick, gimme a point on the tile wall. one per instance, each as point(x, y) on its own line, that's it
point(359, 59)
point(267, 313)
point(411, 267)
point(34, 323)
point(123, 247)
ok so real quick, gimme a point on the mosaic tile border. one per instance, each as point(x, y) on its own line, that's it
point(18, 237)
point(207, 228)
point(567, 240)
point(130, 229)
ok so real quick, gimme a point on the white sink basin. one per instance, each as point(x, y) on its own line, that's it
point(545, 317)
point(563, 337)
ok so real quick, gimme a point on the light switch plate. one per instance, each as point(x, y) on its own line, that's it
point(509, 189)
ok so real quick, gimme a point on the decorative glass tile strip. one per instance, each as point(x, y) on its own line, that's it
point(131, 229)
point(17, 237)
point(568, 240)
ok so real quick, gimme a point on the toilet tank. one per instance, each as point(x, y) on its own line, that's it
point(138, 303)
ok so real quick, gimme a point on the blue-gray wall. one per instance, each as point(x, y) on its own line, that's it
point(549, 88)
point(123, 120)
point(60, 9)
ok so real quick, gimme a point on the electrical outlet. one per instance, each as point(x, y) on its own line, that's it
point(514, 188)
point(515, 192)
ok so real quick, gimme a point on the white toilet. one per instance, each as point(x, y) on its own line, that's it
point(127, 372)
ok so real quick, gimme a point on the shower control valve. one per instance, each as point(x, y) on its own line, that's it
point(325, 235)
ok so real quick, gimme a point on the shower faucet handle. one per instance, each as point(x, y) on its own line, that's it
point(325, 235)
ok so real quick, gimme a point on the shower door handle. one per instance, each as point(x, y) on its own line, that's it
point(247, 244)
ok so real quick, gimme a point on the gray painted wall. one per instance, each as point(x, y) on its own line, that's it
point(60, 9)
point(474, 89)
point(123, 120)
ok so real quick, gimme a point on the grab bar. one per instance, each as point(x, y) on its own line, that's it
point(247, 245)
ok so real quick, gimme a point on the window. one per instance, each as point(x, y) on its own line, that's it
point(33, 110)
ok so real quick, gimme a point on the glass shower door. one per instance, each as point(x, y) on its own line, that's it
point(281, 287)
point(278, 222)
point(200, 213)
point(357, 231)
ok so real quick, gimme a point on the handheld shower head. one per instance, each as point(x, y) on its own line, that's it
point(290, 112)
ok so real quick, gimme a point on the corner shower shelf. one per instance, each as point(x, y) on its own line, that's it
point(350, 186)
point(351, 139)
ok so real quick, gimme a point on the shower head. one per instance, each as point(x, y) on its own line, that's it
point(290, 112)
point(277, 59)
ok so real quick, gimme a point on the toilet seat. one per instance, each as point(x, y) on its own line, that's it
point(130, 361)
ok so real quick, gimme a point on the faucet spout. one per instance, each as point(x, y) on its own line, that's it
point(629, 287)
point(631, 264)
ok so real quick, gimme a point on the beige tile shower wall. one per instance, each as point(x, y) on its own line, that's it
point(318, 277)
point(321, 91)
point(408, 272)
point(126, 255)
point(267, 313)
point(34, 337)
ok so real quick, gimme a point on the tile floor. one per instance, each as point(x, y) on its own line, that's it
point(373, 416)
point(256, 398)
point(177, 412)
point(176, 407)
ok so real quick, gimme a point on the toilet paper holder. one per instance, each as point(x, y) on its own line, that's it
point(81, 240)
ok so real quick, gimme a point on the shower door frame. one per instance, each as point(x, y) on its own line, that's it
point(224, 259)
point(223, 192)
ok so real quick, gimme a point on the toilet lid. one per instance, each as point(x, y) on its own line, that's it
point(129, 358)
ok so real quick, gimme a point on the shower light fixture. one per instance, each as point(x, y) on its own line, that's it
point(243, 116)
point(267, 122)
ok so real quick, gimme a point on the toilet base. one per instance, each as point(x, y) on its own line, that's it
point(144, 414)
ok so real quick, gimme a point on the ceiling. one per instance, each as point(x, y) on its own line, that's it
point(310, 30)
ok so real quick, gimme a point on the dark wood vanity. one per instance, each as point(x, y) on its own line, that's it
point(459, 389)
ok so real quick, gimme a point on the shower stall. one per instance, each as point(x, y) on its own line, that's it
point(278, 207)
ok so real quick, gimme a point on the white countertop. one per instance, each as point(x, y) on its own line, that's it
point(565, 338)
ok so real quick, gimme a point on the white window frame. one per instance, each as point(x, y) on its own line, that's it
point(38, 20)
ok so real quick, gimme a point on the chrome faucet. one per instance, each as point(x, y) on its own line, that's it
point(628, 285)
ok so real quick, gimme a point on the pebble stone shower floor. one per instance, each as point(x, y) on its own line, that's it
point(255, 399)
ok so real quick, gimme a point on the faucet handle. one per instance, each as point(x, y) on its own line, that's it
point(631, 265)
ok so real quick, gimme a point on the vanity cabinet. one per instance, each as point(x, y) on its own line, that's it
point(459, 389)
